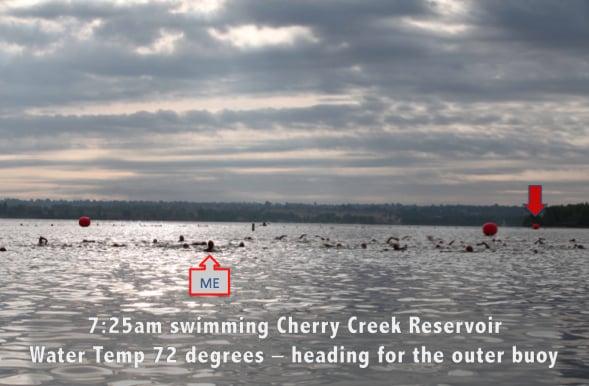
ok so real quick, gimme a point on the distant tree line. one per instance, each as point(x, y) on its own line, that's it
point(572, 216)
point(569, 215)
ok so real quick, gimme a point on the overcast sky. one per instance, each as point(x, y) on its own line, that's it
point(300, 101)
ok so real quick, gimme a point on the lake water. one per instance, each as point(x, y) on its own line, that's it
point(539, 290)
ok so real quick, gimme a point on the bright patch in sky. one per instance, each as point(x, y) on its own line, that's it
point(164, 45)
point(253, 36)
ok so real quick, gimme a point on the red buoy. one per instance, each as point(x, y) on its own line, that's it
point(535, 226)
point(84, 221)
point(490, 229)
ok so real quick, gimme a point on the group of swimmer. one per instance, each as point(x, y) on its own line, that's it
point(392, 243)
point(326, 242)
point(210, 245)
point(493, 244)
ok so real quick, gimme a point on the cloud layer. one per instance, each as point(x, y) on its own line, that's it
point(330, 101)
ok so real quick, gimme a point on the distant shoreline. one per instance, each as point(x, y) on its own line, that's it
point(567, 216)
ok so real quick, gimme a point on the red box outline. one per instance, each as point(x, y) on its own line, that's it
point(203, 267)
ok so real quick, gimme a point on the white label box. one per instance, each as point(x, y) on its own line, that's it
point(209, 279)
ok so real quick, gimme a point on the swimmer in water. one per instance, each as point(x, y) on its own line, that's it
point(210, 246)
point(42, 241)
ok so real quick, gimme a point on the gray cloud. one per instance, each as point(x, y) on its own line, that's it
point(542, 23)
point(460, 99)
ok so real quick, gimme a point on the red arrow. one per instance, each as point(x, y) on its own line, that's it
point(203, 264)
point(535, 205)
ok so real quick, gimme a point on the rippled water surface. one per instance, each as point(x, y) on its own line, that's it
point(538, 289)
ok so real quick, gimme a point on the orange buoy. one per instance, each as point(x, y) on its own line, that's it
point(84, 221)
point(535, 226)
point(490, 229)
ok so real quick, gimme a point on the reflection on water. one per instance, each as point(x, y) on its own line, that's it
point(539, 290)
